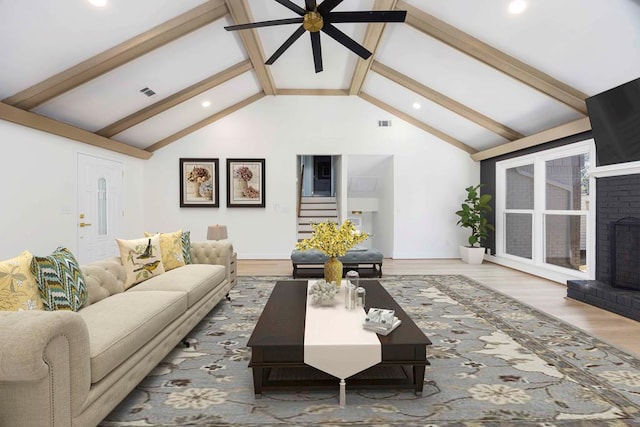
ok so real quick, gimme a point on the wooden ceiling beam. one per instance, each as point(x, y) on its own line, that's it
point(175, 99)
point(495, 58)
point(46, 124)
point(371, 41)
point(239, 10)
point(568, 129)
point(206, 122)
point(314, 92)
point(417, 123)
point(118, 55)
point(445, 101)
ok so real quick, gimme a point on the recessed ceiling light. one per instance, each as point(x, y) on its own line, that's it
point(517, 6)
point(417, 105)
point(206, 104)
point(98, 3)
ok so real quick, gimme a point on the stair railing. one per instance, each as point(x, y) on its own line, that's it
point(300, 189)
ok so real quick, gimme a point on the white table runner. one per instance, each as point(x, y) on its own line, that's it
point(335, 341)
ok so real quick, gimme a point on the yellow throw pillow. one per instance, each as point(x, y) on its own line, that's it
point(141, 259)
point(18, 287)
point(171, 248)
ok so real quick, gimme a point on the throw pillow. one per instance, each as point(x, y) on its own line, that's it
point(60, 281)
point(171, 249)
point(141, 258)
point(18, 288)
point(186, 247)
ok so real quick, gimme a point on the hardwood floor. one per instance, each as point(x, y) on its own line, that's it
point(544, 295)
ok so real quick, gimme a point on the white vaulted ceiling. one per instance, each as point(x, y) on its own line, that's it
point(483, 77)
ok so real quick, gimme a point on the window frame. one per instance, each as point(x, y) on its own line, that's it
point(539, 211)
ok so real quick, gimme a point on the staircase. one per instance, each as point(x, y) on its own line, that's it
point(315, 210)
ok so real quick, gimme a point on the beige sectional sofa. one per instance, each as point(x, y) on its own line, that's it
point(63, 368)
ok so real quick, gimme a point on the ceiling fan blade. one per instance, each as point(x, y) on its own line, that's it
point(367, 16)
point(346, 41)
point(317, 50)
point(310, 5)
point(264, 24)
point(328, 5)
point(295, 36)
point(292, 6)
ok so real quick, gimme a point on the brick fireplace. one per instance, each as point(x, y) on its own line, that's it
point(617, 284)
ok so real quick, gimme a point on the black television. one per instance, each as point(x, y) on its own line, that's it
point(615, 123)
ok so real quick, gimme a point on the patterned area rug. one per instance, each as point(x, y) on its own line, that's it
point(494, 362)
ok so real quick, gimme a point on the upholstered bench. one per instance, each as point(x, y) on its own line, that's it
point(367, 262)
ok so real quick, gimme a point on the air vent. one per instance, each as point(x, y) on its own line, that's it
point(147, 91)
point(384, 123)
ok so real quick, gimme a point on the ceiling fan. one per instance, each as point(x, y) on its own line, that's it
point(315, 18)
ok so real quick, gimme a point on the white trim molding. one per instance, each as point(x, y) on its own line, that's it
point(618, 169)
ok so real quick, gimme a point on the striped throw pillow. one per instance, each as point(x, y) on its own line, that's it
point(186, 247)
point(60, 282)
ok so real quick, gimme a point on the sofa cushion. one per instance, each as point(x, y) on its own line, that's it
point(194, 279)
point(60, 280)
point(141, 258)
point(18, 288)
point(119, 325)
point(171, 248)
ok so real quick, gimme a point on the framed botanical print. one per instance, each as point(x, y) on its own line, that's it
point(199, 183)
point(245, 183)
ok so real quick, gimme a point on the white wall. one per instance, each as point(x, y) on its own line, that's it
point(38, 211)
point(429, 176)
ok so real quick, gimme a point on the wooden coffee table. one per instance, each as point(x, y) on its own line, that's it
point(277, 346)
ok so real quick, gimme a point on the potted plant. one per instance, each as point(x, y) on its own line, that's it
point(471, 216)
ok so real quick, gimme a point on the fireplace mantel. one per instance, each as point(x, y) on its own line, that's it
point(618, 169)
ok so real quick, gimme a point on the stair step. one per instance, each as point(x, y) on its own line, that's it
point(323, 213)
point(330, 206)
point(318, 200)
point(304, 228)
point(316, 219)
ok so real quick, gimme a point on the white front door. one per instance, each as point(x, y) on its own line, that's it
point(100, 207)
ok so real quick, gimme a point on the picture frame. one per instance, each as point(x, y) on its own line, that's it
point(246, 183)
point(199, 183)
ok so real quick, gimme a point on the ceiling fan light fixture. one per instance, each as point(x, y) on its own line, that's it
point(315, 18)
point(313, 22)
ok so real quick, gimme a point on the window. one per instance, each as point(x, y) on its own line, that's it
point(518, 215)
point(542, 209)
point(565, 216)
point(102, 207)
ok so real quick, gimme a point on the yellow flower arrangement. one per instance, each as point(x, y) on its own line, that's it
point(334, 241)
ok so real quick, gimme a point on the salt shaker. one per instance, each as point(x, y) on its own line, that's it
point(360, 296)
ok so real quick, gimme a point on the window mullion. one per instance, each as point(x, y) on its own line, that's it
point(539, 206)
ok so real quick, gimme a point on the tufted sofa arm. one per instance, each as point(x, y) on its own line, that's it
point(35, 346)
point(217, 252)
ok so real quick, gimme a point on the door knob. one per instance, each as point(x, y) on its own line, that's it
point(84, 224)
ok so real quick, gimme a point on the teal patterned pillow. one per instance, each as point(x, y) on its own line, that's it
point(60, 281)
point(186, 246)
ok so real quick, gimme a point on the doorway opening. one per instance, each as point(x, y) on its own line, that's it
point(318, 175)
